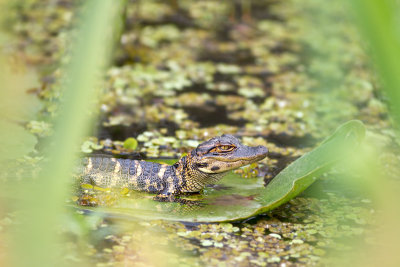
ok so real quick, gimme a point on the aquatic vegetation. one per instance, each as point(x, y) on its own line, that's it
point(185, 71)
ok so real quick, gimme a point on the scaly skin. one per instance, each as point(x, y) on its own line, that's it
point(204, 165)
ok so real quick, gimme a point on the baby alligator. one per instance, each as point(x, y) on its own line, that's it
point(204, 165)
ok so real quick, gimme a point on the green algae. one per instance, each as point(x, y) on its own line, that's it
point(277, 237)
point(203, 65)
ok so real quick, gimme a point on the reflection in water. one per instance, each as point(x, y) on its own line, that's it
point(92, 196)
point(232, 197)
point(219, 187)
point(233, 200)
point(182, 201)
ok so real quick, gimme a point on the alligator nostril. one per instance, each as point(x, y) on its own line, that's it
point(263, 149)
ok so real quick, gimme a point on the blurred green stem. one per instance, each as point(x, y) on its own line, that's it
point(379, 22)
point(43, 199)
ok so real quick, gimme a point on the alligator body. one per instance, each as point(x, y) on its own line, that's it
point(204, 165)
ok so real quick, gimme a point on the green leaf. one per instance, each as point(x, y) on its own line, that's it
point(235, 198)
point(130, 143)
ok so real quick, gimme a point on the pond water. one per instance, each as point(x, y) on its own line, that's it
point(185, 71)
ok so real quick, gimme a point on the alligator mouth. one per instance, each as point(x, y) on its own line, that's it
point(250, 159)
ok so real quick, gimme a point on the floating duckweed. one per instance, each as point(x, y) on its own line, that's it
point(275, 235)
point(130, 143)
point(89, 145)
point(274, 259)
point(228, 69)
point(152, 92)
point(206, 243)
point(118, 249)
point(40, 128)
point(218, 244)
point(297, 241)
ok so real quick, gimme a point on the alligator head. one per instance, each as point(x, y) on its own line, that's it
point(225, 153)
point(213, 158)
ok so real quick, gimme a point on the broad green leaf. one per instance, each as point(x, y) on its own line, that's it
point(235, 198)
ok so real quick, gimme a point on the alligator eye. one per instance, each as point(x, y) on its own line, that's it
point(222, 148)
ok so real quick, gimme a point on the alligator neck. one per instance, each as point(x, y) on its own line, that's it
point(194, 179)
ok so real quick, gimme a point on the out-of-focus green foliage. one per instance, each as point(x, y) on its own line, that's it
point(277, 73)
point(15, 141)
point(379, 22)
point(41, 198)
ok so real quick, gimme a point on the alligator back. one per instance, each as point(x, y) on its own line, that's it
point(124, 173)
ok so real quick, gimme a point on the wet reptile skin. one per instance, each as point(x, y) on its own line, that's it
point(204, 165)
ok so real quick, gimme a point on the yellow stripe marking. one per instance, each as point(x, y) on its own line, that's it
point(162, 171)
point(171, 184)
point(155, 185)
point(89, 166)
point(138, 169)
point(133, 178)
point(117, 166)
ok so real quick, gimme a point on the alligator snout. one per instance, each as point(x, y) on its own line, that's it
point(260, 152)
